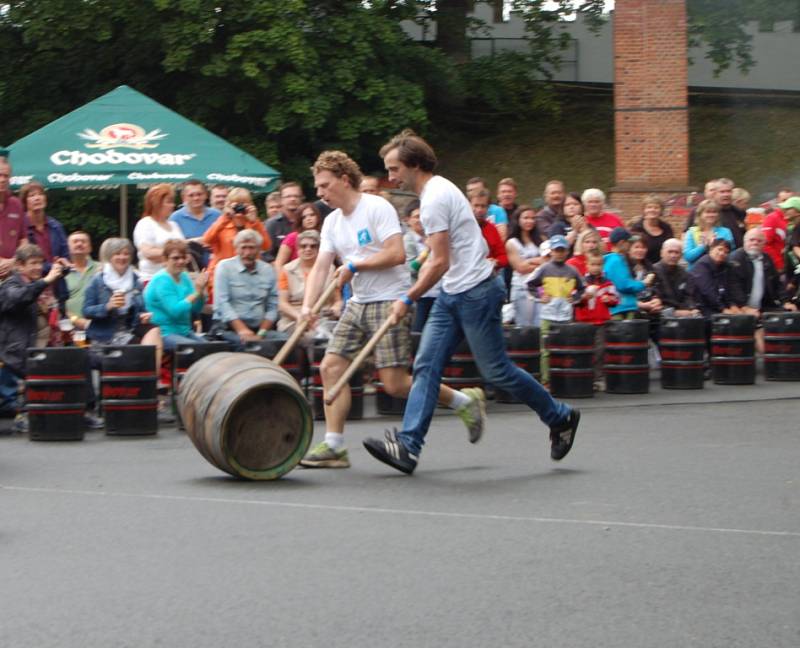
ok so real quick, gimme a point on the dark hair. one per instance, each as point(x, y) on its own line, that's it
point(410, 207)
point(27, 189)
point(575, 196)
point(298, 226)
point(412, 151)
point(192, 183)
point(516, 229)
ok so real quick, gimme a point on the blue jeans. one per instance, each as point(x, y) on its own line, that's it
point(474, 314)
point(8, 390)
point(173, 339)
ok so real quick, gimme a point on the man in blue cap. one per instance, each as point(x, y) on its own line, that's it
point(468, 306)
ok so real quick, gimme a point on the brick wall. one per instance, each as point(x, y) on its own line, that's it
point(650, 101)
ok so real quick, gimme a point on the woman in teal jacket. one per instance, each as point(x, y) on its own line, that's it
point(173, 298)
point(618, 272)
point(699, 237)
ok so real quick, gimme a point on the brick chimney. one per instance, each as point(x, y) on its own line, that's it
point(650, 102)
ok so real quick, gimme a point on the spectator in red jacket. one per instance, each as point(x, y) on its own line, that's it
point(479, 200)
point(594, 202)
point(598, 296)
point(776, 228)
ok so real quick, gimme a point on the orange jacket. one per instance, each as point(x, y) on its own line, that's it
point(220, 237)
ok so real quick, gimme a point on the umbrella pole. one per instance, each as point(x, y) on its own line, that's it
point(123, 211)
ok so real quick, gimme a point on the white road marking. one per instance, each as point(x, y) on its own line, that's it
point(413, 512)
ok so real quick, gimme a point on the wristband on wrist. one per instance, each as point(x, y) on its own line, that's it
point(407, 300)
point(352, 267)
point(262, 333)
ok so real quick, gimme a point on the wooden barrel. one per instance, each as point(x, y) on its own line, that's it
point(245, 415)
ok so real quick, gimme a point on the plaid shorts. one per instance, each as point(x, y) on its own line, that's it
point(357, 325)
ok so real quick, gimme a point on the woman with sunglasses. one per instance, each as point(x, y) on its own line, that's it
point(174, 298)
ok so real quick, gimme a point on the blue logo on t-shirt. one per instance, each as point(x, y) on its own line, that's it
point(364, 237)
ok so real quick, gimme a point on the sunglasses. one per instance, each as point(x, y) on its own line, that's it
point(309, 246)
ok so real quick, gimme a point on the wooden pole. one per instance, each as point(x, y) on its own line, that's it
point(123, 211)
point(301, 327)
point(358, 360)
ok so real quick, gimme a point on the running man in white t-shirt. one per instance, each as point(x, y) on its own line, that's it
point(468, 306)
point(364, 232)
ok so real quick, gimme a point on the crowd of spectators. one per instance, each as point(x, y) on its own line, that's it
point(215, 268)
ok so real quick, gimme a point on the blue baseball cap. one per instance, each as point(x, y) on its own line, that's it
point(557, 241)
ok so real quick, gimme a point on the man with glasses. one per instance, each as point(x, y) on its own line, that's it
point(279, 226)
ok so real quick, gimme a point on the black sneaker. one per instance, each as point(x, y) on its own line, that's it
point(562, 436)
point(392, 452)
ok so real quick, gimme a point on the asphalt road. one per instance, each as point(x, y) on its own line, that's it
point(675, 522)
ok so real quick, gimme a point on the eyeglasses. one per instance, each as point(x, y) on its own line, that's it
point(182, 257)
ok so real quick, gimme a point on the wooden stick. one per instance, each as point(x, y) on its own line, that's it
point(358, 361)
point(301, 327)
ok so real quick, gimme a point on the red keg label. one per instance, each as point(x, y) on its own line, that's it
point(561, 362)
point(49, 396)
point(669, 354)
point(111, 391)
point(453, 372)
point(610, 358)
point(774, 347)
point(727, 351)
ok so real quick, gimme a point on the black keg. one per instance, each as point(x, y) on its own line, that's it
point(782, 346)
point(128, 390)
point(625, 362)
point(56, 392)
point(733, 360)
point(682, 344)
point(186, 355)
point(571, 349)
point(462, 371)
point(522, 346)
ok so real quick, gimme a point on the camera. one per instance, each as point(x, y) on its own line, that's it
point(239, 208)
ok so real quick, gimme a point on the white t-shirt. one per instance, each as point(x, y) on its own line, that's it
point(443, 208)
point(149, 232)
point(359, 235)
point(527, 251)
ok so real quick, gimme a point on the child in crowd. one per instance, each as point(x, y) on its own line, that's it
point(598, 296)
point(558, 286)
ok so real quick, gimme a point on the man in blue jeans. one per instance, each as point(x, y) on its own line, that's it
point(469, 305)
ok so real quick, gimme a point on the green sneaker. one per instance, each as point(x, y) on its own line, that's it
point(323, 456)
point(474, 414)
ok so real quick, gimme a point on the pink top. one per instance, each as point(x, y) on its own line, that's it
point(290, 241)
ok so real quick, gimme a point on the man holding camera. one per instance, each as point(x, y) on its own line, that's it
point(238, 214)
